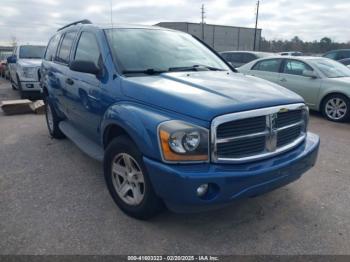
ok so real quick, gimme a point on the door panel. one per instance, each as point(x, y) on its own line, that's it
point(292, 78)
point(86, 90)
point(306, 87)
point(267, 69)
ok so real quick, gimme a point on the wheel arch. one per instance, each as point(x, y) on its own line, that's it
point(112, 131)
point(138, 122)
point(322, 101)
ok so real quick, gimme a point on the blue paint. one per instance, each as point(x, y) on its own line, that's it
point(139, 104)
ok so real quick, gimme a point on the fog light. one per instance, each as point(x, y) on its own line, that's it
point(202, 190)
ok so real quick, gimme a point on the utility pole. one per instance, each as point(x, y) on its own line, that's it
point(256, 23)
point(203, 13)
point(111, 9)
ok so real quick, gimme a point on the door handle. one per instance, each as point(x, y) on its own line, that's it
point(283, 80)
point(69, 81)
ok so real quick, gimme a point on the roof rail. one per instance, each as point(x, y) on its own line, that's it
point(84, 22)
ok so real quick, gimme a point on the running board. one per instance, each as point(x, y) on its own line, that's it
point(80, 140)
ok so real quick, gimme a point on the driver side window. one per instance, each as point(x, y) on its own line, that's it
point(88, 49)
point(294, 67)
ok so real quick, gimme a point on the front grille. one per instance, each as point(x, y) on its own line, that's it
point(288, 118)
point(242, 127)
point(287, 136)
point(257, 134)
point(244, 147)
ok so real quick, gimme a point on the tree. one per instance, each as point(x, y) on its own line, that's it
point(297, 44)
point(326, 44)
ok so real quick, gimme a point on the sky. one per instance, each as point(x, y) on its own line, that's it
point(34, 21)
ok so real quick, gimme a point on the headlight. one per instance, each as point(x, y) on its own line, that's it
point(183, 142)
point(29, 72)
point(306, 118)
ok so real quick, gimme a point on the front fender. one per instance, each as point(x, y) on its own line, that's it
point(141, 122)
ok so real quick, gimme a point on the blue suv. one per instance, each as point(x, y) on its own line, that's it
point(172, 122)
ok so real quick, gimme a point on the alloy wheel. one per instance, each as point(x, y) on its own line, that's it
point(128, 179)
point(336, 108)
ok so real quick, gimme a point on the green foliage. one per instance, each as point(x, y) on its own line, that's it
point(296, 44)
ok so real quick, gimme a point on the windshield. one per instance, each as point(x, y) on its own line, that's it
point(160, 50)
point(32, 51)
point(331, 69)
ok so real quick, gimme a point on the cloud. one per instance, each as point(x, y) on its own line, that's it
point(37, 20)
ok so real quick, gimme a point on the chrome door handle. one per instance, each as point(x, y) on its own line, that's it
point(283, 80)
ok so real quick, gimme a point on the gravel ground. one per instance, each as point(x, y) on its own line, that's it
point(53, 200)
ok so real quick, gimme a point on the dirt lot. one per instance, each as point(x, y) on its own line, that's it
point(53, 200)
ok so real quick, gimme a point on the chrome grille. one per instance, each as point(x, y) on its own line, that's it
point(257, 134)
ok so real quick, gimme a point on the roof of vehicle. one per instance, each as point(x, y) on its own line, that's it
point(338, 50)
point(302, 58)
point(250, 52)
point(112, 26)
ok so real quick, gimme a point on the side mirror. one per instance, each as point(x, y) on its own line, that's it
point(11, 59)
point(84, 67)
point(309, 73)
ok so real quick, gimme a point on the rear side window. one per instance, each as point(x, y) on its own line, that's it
point(52, 47)
point(87, 49)
point(331, 55)
point(66, 45)
point(271, 65)
point(246, 58)
point(294, 67)
point(343, 55)
point(235, 57)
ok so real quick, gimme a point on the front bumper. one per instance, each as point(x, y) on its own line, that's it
point(177, 184)
point(29, 86)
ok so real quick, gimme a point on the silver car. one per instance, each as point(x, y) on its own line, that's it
point(323, 83)
point(239, 58)
point(24, 65)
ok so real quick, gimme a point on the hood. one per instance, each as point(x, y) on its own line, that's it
point(29, 62)
point(207, 94)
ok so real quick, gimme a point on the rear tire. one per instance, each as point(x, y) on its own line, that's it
point(52, 120)
point(336, 108)
point(122, 160)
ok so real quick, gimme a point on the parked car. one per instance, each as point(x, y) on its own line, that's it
point(239, 58)
point(3, 65)
point(292, 53)
point(323, 83)
point(171, 121)
point(338, 54)
point(24, 65)
point(345, 62)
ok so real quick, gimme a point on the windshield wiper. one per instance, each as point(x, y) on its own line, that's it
point(194, 68)
point(149, 71)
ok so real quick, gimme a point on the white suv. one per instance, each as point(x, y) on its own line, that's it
point(24, 66)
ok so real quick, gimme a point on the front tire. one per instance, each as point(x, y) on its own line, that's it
point(52, 120)
point(128, 181)
point(22, 94)
point(336, 108)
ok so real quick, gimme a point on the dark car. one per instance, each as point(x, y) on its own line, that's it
point(292, 53)
point(345, 62)
point(338, 54)
point(239, 58)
